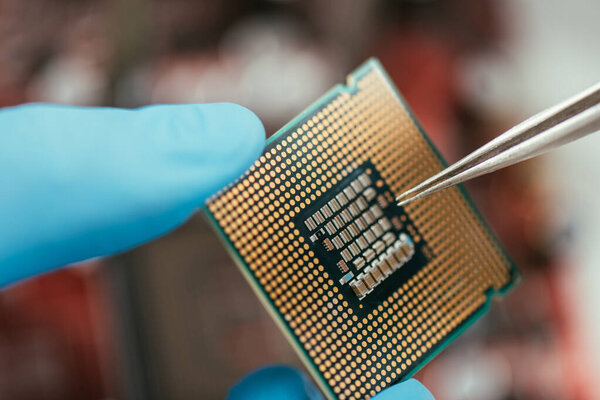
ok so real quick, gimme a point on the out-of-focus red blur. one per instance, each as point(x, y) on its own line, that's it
point(175, 319)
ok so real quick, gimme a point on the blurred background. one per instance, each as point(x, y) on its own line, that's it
point(175, 319)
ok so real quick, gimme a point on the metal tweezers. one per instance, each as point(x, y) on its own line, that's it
point(565, 122)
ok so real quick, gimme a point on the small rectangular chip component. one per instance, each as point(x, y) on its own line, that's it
point(366, 291)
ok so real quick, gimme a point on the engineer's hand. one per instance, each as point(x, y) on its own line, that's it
point(77, 183)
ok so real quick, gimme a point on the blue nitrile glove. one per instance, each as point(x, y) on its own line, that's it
point(281, 382)
point(77, 182)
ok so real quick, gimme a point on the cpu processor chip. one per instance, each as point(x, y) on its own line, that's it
point(366, 291)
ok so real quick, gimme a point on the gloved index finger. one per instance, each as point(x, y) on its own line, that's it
point(87, 182)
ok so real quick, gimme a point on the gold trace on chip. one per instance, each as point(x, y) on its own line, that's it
point(355, 357)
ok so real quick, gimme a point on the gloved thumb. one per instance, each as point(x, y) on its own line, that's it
point(275, 382)
point(409, 390)
point(77, 183)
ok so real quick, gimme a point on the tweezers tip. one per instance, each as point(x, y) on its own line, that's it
point(407, 193)
point(404, 202)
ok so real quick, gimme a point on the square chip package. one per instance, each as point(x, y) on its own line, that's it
point(366, 291)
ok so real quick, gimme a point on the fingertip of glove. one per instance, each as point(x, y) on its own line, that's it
point(219, 140)
point(238, 131)
point(222, 131)
point(274, 382)
point(410, 389)
point(242, 118)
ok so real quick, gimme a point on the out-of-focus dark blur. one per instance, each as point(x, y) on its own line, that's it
point(175, 320)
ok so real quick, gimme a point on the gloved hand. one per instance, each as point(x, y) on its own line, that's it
point(281, 382)
point(77, 183)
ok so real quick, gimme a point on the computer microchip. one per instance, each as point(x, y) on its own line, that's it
point(366, 291)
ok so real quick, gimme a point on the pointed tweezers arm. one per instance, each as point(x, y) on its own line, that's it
point(572, 119)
